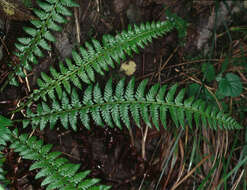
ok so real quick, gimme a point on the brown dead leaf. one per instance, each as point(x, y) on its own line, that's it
point(14, 10)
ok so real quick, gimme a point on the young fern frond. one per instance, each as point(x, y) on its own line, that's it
point(58, 173)
point(116, 106)
point(97, 57)
point(50, 15)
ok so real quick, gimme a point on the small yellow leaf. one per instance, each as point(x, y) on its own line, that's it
point(9, 10)
point(128, 68)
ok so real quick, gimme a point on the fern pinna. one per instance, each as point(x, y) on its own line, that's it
point(97, 57)
point(57, 172)
point(50, 15)
point(115, 106)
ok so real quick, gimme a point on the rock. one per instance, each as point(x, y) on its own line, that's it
point(134, 14)
point(63, 45)
point(206, 26)
point(66, 40)
point(120, 6)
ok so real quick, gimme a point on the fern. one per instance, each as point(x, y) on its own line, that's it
point(99, 57)
point(5, 135)
point(57, 172)
point(115, 107)
point(50, 15)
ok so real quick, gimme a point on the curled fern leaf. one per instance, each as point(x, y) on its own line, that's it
point(117, 107)
point(97, 57)
point(50, 15)
point(57, 172)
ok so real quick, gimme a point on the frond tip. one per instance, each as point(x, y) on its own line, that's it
point(115, 107)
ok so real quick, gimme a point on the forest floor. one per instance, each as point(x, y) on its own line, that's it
point(135, 160)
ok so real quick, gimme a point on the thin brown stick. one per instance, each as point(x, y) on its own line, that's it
point(190, 173)
point(168, 59)
point(238, 180)
point(77, 25)
point(144, 138)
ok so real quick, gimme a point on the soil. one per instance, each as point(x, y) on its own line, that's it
point(113, 155)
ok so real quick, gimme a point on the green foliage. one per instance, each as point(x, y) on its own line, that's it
point(115, 106)
point(51, 14)
point(57, 172)
point(2, 172)
point(230, 85)
point(27, 3)
point(4, 122)
point(208, 71)
point(97, 58)
point(5, 136)
point(179, 24)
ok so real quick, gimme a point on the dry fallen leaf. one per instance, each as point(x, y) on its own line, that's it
point(128, 68)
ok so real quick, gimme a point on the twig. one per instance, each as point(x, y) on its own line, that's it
point(4, 45)
point(132, 141)
point(144, 138)
point(26, 79)
point(85, 12)
point(191, 172)
point(167, 61)
point(77, 25)
point(97, 3)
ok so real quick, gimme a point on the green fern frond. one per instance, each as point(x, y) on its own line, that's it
point(117, 106)
point(57, 172)
point(5, 136)
point(50, 15)
point(97, 57)
point(2, 171)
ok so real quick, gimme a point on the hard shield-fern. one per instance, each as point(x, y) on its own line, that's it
point(5, 136)
point(50, 15)
point(58, 172)
point(116, 107)
point(97, 57)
